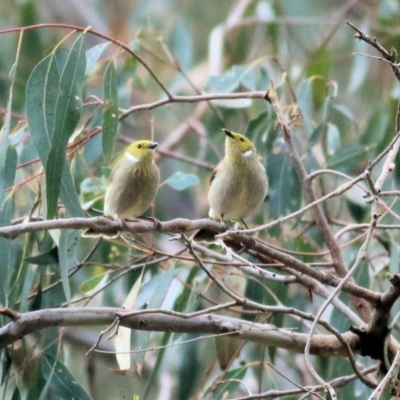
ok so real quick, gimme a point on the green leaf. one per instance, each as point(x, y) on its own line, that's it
point(93, 55)
point(92, 187)
point(332, 139)
point(232, 381)
point(345, 110)
point(320, 66)
point(181, 181)
point(231, 79)
point(157, 288)
point(283, 181)
point(17, 394)
point(361, 64)
point(61, 381)
point(180, 42)
point(67, 113)
point(4, 137)
point(347, 156)
point(110, 111)
point(91, 283)
point(41, 96)
point(47, 258)
point(6, 363)
point(66, 254)
point(7, 253)
point(305, 102)
point(10, 166)
point(106, 171)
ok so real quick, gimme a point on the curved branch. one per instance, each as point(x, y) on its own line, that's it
point(236, 240)
point(267, 334)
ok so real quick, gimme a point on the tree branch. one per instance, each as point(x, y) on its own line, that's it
point(267, 334)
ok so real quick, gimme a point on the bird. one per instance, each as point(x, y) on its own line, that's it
point(132, 185)
point(238, 185)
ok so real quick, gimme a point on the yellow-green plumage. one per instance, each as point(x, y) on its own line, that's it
point(132, 185)
point(133, 182)
point(238, 184)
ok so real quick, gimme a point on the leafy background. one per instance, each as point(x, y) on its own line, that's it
point(348, 106)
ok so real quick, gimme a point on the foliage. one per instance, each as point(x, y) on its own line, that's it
point(177, 73)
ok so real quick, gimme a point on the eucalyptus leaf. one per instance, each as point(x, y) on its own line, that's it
point(67, 256)
point(332, 139)
point(62, 382)
point(348, 156)
point(181, 181)
point(157, 288)
point(231, 79)
point(110, 111)
point(93, 55)
point(47, 258)
point(41, 96)
point(180, 43)
point(232, 381)
point(305, 102)
point(67, 113)
point(92, 283)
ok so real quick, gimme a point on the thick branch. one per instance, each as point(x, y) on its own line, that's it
point(180, 225)
point(324, 345)
point(107, 226)
point(374, 334)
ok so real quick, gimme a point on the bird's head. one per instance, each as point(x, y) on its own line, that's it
point(141, 149)
point(238, 144)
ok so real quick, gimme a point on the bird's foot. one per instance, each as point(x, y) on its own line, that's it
point(156, 222)
point(122, 225)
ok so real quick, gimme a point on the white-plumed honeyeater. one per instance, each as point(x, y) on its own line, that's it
point(238, 185)
point(132, 184)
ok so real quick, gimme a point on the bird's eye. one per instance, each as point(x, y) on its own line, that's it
point(139, 146)
point(241, 139)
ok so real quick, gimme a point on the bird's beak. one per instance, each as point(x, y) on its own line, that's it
point(228, 132)
point(153, 145)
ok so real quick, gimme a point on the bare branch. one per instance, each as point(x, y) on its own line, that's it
point(326, 345)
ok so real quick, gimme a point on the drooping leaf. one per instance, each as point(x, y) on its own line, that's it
point(66, 254)
point(305, 101)
point(41, 95)
point(332, 139)
point(47, 258)
point(122, 338)
point(181, 181)
point(110, 111)
point(359, 71)
point(320, 66)
point(61, 382)
point(8, 251)
point(283, 182)
point(67, 113)
point(180, 43)
point(4, 139)
point(157, 288)
point(6, 363)
point(93, 54)
point(10, 166)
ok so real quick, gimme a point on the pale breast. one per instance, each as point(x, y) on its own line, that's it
point(236, 193)
point(131, 191)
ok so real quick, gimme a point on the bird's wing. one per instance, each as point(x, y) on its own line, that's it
point(214, 173)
